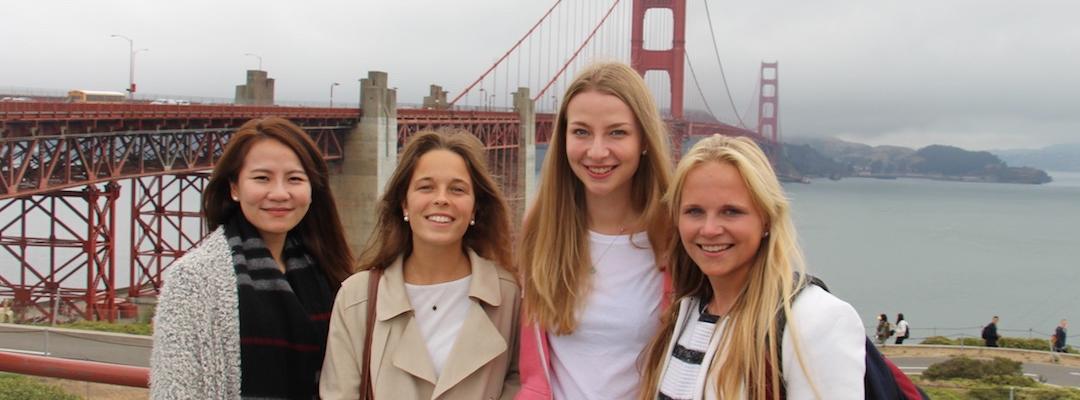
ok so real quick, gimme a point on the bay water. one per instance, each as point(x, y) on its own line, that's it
point(949, 255)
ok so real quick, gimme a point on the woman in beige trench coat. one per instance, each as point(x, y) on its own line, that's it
point(446, 313)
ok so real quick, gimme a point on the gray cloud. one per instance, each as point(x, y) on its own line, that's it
point(979, 74)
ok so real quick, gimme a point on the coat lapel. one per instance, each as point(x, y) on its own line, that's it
point(478, 343)
point(411, 353)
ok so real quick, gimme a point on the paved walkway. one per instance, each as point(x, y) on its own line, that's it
point(73, 344)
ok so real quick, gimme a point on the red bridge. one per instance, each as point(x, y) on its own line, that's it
point(63, 165)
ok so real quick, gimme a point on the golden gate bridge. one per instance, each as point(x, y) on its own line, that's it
point(65, 163)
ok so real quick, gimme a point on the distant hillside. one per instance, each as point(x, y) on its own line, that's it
point(933, 162)
point(1059, 157)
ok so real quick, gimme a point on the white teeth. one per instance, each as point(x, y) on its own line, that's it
point(600, 170)
point(439, 218)
point(715, 248)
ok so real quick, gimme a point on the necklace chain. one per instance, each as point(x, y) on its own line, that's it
point(615, 238)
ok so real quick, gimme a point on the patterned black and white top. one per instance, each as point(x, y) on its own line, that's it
point(684, 367)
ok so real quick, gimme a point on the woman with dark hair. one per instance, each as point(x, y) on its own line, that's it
point(245, 313)
point(901, 329)
point(446, 306)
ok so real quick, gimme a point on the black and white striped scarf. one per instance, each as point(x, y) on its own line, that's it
point(284, 318)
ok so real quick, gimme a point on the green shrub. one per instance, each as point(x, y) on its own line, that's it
point(1024, 343)
point(18, 387)
point(967, 368)
point(938, 340)
point(1005, 342)
point(941, 340)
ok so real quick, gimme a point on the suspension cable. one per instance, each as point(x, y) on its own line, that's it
point(576, 52)
point(700, 92)
point(496, 64)
point(716, 49)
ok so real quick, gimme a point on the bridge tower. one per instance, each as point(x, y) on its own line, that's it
point(670, 60)
point(769, 102)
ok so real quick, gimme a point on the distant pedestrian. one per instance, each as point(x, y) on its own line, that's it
point(989, 333)
point(903, 331)
point(1059, 336)
point(884, 329)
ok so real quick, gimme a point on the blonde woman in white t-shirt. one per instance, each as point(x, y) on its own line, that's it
point(593, 239)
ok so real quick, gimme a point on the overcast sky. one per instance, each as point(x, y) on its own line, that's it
point(976, 74)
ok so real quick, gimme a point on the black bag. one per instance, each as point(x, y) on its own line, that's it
point(882, 380)
point(986, 332)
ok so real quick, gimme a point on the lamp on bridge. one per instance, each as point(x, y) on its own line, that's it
point(131, 64)
point(332, 93)
point(256, 56)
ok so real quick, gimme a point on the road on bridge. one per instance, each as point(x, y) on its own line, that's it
point(1052, 374)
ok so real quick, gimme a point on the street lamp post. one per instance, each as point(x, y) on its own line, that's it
point(256, 56)
point(332, 93)
point(131, 64)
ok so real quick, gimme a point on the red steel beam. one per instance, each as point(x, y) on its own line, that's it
point(87, 371)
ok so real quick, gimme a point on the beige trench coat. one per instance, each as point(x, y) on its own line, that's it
point(482, 364)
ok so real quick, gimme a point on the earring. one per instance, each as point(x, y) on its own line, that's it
point(644, 152)
point(234, 198)
point(765, 235)
point(406, 217)
point(472, 222)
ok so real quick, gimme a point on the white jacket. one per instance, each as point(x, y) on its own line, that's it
point(831, 338)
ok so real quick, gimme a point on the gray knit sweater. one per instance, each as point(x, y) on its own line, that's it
point(196, 352)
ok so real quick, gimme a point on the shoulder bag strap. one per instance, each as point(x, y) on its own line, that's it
point(373, 295)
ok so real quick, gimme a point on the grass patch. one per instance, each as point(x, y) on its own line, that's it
point(132, 328)
point(18, 387)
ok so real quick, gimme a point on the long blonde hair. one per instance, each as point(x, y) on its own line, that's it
point(750, 343)
point(554, 251)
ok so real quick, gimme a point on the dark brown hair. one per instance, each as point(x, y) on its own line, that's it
point(489, 238)
point(320, 229)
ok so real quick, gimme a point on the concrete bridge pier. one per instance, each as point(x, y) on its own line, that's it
point(525, 170)
point(370, 158)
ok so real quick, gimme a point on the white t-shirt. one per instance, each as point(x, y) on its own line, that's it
point(617, 320)
point(440, 309)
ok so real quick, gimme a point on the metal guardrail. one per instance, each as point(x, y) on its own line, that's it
point(88, 371)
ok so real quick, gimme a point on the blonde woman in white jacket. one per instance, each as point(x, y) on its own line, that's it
point(735, 263)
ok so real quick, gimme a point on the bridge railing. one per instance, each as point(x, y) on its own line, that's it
point(87, 371)
point(31, 111)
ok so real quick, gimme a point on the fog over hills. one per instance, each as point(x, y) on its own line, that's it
point(1058, 157)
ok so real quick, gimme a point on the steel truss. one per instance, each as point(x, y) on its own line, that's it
point(166, 222)
point(77, 242)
